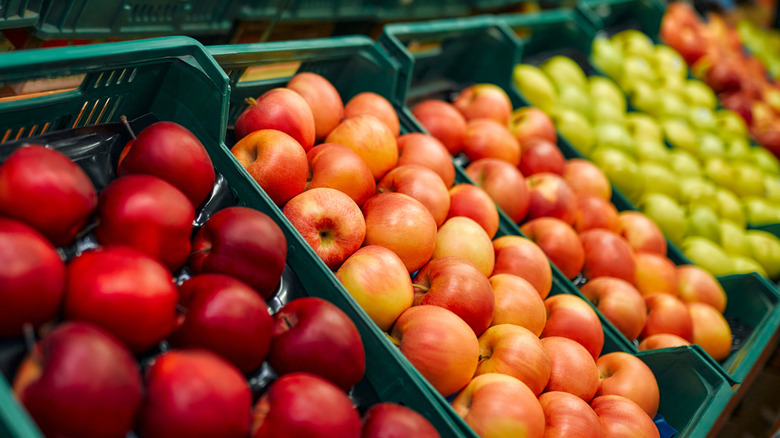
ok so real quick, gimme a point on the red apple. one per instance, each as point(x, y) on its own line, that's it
point(80, 381)
point(194, 393)
point(323, 100)
point(568, 416)
point(662, 340)
point(422, 184)
point(572, 368)
point(486, 138)
point(376, 105)
point(519, 256)
point(33, 278)
point(226, 316)
point(170, 151)
point(710, 330)
point(620, 302)
point(440, 345)
point(667, 314)
point(47, 191)
point(695, 284)
point(390, 420)
point(530, 123)
point(426, 150)
point(559, 242)
point(473, 202)
point(444, 122)
point(125, 292)
point(550, 196)
point(336, 166)
point(641, 233)
point(504, 183)
point(243, 243)
point(371, 139)
point(620, 416)
point(541, 156)
point(595, 212)
point(607, 255)
point(571, 317)
point(314, 336)
point(484, 101)
point(457, 285)
point(461, 236)
point(515, 351)
point(517, 302)
point(626, 375)
point(585, 178)
point(281, 109)
point(655, 274)
point(276, 161)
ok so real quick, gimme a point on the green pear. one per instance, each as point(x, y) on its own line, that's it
point(605, 111)
point(766, 251)
point(564, 72)
point(772, 188)
point(642, 96)
point(671, 105)
point(636, 69)
point(765, 161)
point(697, 93)
point(746, 265)
point(710, 145)
point(733, 238)
point(621, 170)
point(684, 163)
point(708, 255)
point(658, 178)
point(718, 170)
point(680, 135)
point(738, 148)
point(613, 135)
point(730, 124)
point(634, 42)
point(535, 86)
point(606, 90)
point(574, 98)
point(643, 127)
point(576, 129)
point(696, 191)
point(730, 207)
point(702, 118)
point(702, 221)
point(666, 213)
point(760, 211)
point(667, 61)
point(747, 180)
point(607, 58)
point(652, 150)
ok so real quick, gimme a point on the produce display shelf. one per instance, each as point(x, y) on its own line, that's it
point(176, 79)
point(16, 14)
point(612, 16)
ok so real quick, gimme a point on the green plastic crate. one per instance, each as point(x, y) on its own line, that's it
point(176, 79)
point(19, 13)
point(307, 10)
point(612, 16)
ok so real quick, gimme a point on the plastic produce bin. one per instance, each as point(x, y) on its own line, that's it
point(613, 16)
point(19, 13)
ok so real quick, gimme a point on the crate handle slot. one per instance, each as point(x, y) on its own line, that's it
point(269, 71)
point(40, 87)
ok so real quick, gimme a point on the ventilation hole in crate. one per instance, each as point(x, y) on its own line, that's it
point(110, 78)
point(32, 131)
point(114, 107)
point(121, 76)
point(99, 78)
point(132, 75)
point(102, 111)
point(5, 136)
point(91, 112)
point(45, 128)
point(78, 118)
point(19, 133)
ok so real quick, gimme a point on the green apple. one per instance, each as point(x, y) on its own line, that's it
point(765, 160)
point(696, 191)
point(607, 57)
point(718, 170)
point(748, 180)
point(574, 98)
point(535, 86)
point(634, 42)
point(738, 148)
point(670, 105)
point(772, 188)
point(703, 221)
point(733, 238)
point(730, 124)
point(766, 251)
point(643, 127)
point(576, 129)
point(658, 178)
point(621, 170)
point(760, 211)
point(564, 71)
point(605, 111)
point(636, 69)
point(605, 89)
point(702, 118)
point(680, 135)
point(710, 145)
point(697, 93)
point(613, 135)
point(666, 213)
point(642, 96)
point(667, 61)
point(684, 163)
point(746, 265)
point(708, 255)
point(653, 150)
point(730, 207)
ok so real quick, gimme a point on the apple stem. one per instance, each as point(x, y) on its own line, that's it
point(250, 101)
point(29, 335)
point(395, 341)
point(419, 286)
point(200, 251)
point(127, 125)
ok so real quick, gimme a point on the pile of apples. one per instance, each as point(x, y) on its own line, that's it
point(705, 189)
point(762, 43)
point(156, 327)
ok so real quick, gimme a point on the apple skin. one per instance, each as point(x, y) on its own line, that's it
point(530, 123)
point(655, 274)
point(568, 416)
point(225, 316)
point(626, 375)
point(125, 292)
point(667, 314)
point(33, 278)
point(376, 105)
point(444, 122)
point(170, 151)
point(422, 184)
point(541, 156)
point(620, 416)
point(281, 109)
point(572, 368)
point(585, 178)
point(620, 302)
point(47, 191)
point(371, 139)
point(440, 345)
point(390, 420)
point(378, 280)
point(426, 150)
point(276, 161)
point(520, 256)
point(594, 212)
point(194, 393)
point(149, 214)
point(695, 284)
point(571, 317)
point(504, 183)
point(517, 302)
point(641, 233)
point(607, 255)
point(323, 99)
point(559, 242)
point(515, 351)
point(336, 166)
point(463, 237)
point(243, 243)
point(457, 285)
point(402, 224)
point(76, 369)
point(496, 405)
point(484, 101)
point(486, 138)
point(662, 340)
point(710, 330)
point(473, 202)
point(550, 196)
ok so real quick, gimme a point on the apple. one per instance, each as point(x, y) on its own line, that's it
point(473, 202)
point(541, 156)
point(522, 257)
point(194, 393)
point(607, 255)
point(426, 150)
point(662, 340)
point(697, 285)
point(515, 351)
point(765, 248)
point(585, 178)
point(276, 161)
point(225, 316)
point(443, 121)
point(378, 281)
point(504, 183)
point(388, 420)
point(457, 285)
point(666, 213)
point(149, 214)
point(517, 302)
point(422, 184)
point(559, 242)
point(621, 169)
point(529, 123)
point(78, 368)
point(243, 243)
point(667, 314)
point(620, 302)
point(279, 109)
point(125, 292)
point(708, 255)
point(710, 330)
point(170, 151)
point(497, 405)
point(569, 416)
point(440, 345)
point(46, 190)
point(655, 274)
point(620, 416)
point(572, 368)
point(463, 237)
point(641, 233)
point(323, 100)
point(550, 196)
point(571, 317)
point(596, 212)
point(486, 138)
point(336, 166)
point(484, 101)
point(535, 86)
point(576, 128)
point(33, 278)
point(375, 105)
point(371, 139)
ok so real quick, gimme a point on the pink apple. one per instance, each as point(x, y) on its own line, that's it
point(585, 178)
point(517, 302)
point(655, 274)
point(422, 184)
point(572, 368)
point(662, 340)
point(607, 255)
point(461, 236)
point(595, 212)
point(620, 416)
point(550, 196)
point(710, 330)
point(541, 156)
point(667, 314)
point(484, 101)
point(641, 233)
point(519, 256)
point(694, 284)
point(571, 317)
point(336, 166)
point(620, 302)
point(504, 183)
point(568, 416)
point(529, 123)
point(559, 242)
point(376, 105)
point(515, 351)
point(426, 150)
point(444, 122)
point(473, 202)
point(628, 376)
point(371, 139)
point(486, 138)
point(281, 109)
point(323, 100)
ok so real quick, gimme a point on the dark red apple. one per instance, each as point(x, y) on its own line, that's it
point(390, 420)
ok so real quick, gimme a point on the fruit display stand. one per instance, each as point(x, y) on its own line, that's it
point(175, 79)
